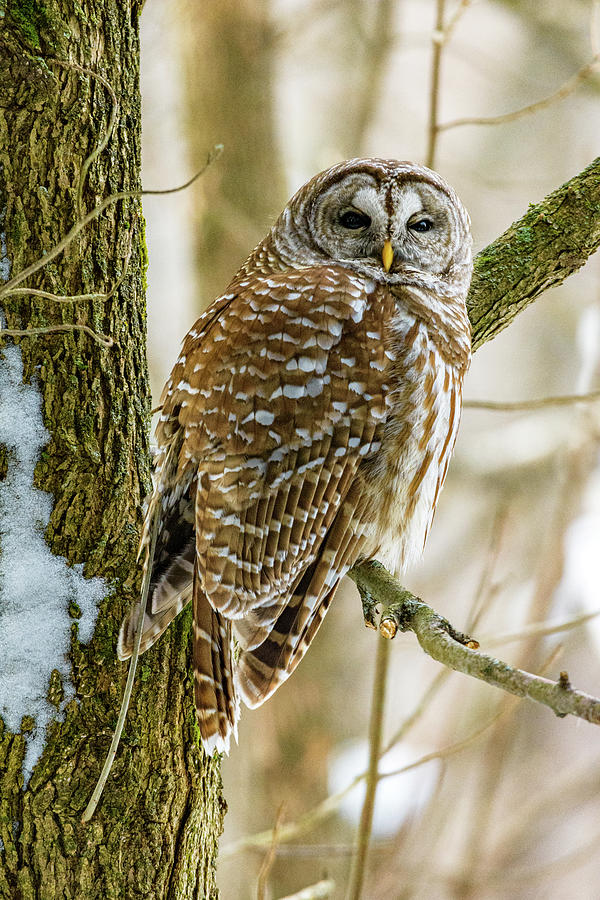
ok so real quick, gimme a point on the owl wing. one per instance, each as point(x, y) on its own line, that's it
point(279, 401)
point(172, 504)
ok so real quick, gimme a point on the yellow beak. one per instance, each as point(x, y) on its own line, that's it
point(387, 255)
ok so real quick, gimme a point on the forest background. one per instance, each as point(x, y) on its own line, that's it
point(510, 804)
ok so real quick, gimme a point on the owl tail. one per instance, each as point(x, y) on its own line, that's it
point(261, 670)
point(217, 705)
point(270, 658)
point(167, 598)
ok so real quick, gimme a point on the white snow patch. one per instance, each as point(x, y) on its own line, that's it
point(36, 587)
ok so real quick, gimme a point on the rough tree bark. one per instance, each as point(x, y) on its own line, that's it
point(155, 835)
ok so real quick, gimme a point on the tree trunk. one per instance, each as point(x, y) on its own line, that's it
point(155, 833)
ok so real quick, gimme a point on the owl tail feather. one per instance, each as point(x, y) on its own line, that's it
point(217, 704)
point(172, 593)
point(261, 671)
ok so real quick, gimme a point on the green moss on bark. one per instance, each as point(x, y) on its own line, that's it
point(155, 833)
point(551, 241)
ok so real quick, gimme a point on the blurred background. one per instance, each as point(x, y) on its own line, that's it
point(509, 805)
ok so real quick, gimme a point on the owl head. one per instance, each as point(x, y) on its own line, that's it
point(390, 221)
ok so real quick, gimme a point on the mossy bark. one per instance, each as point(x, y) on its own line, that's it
point(550, 241)
point(155, 833)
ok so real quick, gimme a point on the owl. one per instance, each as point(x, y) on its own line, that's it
point(307, 426)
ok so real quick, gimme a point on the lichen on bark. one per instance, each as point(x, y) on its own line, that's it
point(155, 834)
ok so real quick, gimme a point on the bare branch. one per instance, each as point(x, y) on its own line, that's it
point(363, 837)
point(564, 91)
point(527, 405)
point(442, 642)
point(438, 40)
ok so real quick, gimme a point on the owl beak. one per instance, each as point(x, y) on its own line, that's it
point(387, 255)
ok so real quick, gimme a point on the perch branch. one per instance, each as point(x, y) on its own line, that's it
point(404, 612)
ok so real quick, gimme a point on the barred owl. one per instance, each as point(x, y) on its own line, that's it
point(307, 425)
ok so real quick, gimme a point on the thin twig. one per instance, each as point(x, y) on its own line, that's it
point(418, 711)
point(578, 783)
point(489, 776)
point(486, 589)
point(103, 339)
point(375, 740)
point(82, 223)
point(76, 298)
point(330, 805)
point(111, 125)
point(450, 750)
point(527, 405)
point(564, 91)
point(559, 864)
point(455, 18)
point(95, 798)
point(539, 629)
point(267, 864)
point(595, 27)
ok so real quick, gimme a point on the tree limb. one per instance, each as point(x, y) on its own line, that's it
point(405, 612)
point(551, 241)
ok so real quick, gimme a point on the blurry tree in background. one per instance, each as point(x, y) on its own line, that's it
point(228, 67)
point(290, 87)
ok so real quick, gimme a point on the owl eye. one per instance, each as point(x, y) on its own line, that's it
point(353, 219)
point(421, 225)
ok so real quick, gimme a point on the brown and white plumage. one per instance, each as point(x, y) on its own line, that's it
point(308, 424)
